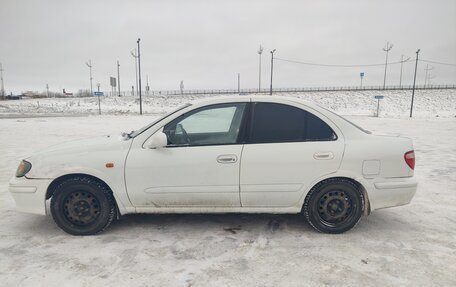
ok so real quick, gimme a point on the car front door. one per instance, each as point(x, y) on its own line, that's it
point(287, 149)
point(198, 168)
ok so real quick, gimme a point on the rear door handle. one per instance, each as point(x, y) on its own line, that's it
point(227, 158)
point(323, 155)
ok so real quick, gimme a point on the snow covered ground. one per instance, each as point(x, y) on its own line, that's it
point(428, 103)
point(413, 245)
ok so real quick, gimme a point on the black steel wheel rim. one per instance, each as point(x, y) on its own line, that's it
point(335, 207)
point(81, 208)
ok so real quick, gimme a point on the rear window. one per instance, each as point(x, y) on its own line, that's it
point(351, 123)
point(318, 130)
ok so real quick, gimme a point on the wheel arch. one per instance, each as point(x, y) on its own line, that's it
point(55, 183)
point(367, 209)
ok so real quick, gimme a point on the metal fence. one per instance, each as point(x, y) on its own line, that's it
point(286, 90)
point(86, 93)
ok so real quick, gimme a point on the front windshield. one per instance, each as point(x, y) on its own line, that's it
point(141, 130)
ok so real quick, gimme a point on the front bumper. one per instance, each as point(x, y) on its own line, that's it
point(29, 194)
point(389, 192)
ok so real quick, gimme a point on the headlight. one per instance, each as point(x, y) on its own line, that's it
point(23, 168)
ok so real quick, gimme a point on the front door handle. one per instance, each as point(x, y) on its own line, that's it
point(227, 158)
point(323, 155)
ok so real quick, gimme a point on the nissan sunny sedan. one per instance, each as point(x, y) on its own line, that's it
point(246, 154)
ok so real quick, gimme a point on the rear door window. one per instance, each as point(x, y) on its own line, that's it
point(272, 123)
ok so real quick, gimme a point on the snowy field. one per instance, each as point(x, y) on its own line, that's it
point(413, 245)
point(428, 103)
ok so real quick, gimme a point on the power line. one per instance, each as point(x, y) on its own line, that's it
point(361, 65)
point(339, 66)
point(438, 63)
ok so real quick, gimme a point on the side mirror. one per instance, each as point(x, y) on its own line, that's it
point(157, 140)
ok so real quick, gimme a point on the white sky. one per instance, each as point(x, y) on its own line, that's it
point(206, 43)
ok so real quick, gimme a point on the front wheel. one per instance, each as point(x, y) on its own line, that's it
point(334, 206)
point(83, 206)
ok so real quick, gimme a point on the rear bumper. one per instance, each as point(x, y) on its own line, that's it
point(29, 194)
point(386, 192)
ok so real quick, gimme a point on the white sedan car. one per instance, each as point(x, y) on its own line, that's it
point(242, 154)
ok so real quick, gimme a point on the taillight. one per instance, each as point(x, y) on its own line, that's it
point(410, 159)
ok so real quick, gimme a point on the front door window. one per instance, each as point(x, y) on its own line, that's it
point(212, 125)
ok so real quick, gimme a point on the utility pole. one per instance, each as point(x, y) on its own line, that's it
point(118, 76)
point(2, 90)
point(89, 64)
point(386, 49)
point(402, 62)
point(139, 77)
point(47, 90)
point(430, 77)
point(427, 69)
point(260, 51)
point(135, 55)
point(414, 81)
point(272, 69)
point(239, 83)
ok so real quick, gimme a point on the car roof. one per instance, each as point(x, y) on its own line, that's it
point(253, 98)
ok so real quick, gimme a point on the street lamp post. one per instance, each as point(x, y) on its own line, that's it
point(134, 54)
point(139, 77)
point(260, 51)
point(89, 64)
point(118, 76)
point(414, 81)
point(386, 49)
point(272, 69)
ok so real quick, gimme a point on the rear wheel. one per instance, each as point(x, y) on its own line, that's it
point(334, 206)
point(83, 206)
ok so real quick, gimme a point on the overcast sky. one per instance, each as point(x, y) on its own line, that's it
point(207, 43)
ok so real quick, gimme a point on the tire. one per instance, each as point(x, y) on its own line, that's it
point(83, 206)
point(334, 206)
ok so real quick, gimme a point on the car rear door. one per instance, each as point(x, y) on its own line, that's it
point(287, 148)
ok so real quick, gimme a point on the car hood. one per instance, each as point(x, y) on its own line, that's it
point(78, 155)
point(82, 145)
